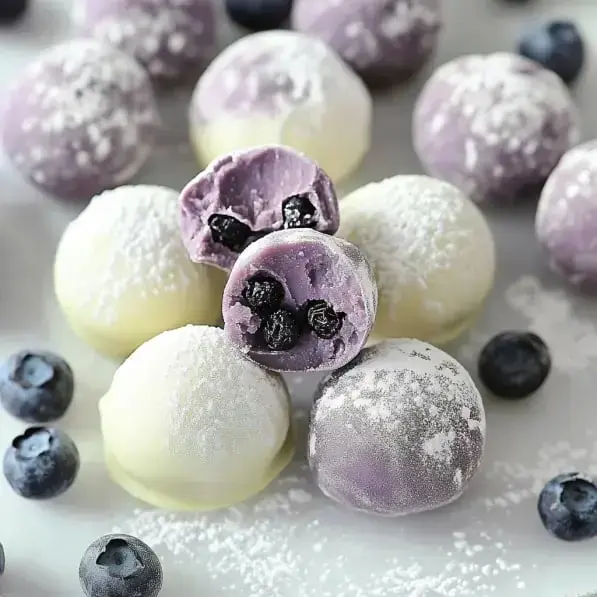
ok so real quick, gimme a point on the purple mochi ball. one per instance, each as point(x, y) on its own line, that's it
point(493, 125)
point(322, 281)
point(566, 221)
point(399, 430)
point(385, 41)
point(172, 39)
point(80, 119)
point(259, 188)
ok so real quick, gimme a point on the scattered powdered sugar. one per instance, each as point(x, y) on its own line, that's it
point(572, 338)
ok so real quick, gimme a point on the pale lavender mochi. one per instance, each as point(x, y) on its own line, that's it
point(384, 41)
point(172, 39)
point(310, 266)
point(79, 119)
point(493, 125)
point(399, 430)
point(566, 221)
point(251, 186)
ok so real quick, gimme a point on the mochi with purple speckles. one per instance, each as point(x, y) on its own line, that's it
point(310, 268)
point(493, 125)
point(253, 187)
point(566, 221)
point(399, 430)
point(172, 39)
point(79, 119)
point(385, 41)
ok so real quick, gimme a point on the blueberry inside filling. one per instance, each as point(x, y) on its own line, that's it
point(299, 212)
point(322, 319)
point(281, 327)
point(280, 330)
point(263, 295)
point(228, 231)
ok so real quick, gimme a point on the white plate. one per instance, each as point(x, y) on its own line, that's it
point(291, 542)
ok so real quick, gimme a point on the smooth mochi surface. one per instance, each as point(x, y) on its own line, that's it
point(172, 39)
point(122, 275)
point(566, 220)
point(310, 266)
point(79, 119)
point(189, 424)
point(494, 125)
point(399, 430)
point(384, 41)
point(284, 88)
point(432, 252)
point(252, 186)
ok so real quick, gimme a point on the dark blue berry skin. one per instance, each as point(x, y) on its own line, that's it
point(36, 386)
point(42, 463)
point(12, 10)
point(259, 15)
point(120, 566)
point(558, 46)
point(514, 364)
point(568, 507)
point(2, 560)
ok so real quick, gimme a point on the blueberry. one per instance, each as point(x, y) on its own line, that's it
point(280, 330)
point(568, 507)
point(2, 560)
point(120, 566)
point(299, 212)
point(259, 15)
point(514, 364)
point(36, 386)
point(263, 295)
point(12, 10)
point(558, 46)
point(229, 231)
point(42, 463)
point(322, 319)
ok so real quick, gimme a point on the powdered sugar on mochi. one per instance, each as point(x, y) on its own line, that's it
point(494, 125)
point(401, 429)
point(80, 118)
point(170, 38)
point(142, 253)
point(274, 73)
point(566, 222)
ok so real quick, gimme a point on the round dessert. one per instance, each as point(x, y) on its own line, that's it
point(399, 430)
point(245, 195)
point(79, 119)
point(300, 300)
point(284, 88)
point(172, 39)
point(384, 41)
point(566, 221)
point(122, 274)
point(494, 125)
point(432, 252)
point(190, 424)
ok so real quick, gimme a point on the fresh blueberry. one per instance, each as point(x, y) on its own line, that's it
point(120, 566)
point(568, 507)
point(263, 294)
point(36, 386)
point(280, 330)
point(514, 364)
point(558, 46)
point(42, 463)
point(12, 10)
point(229, 231)
point(2, 560)
point(322, 319)
point(299, 212)
point(259, 15)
